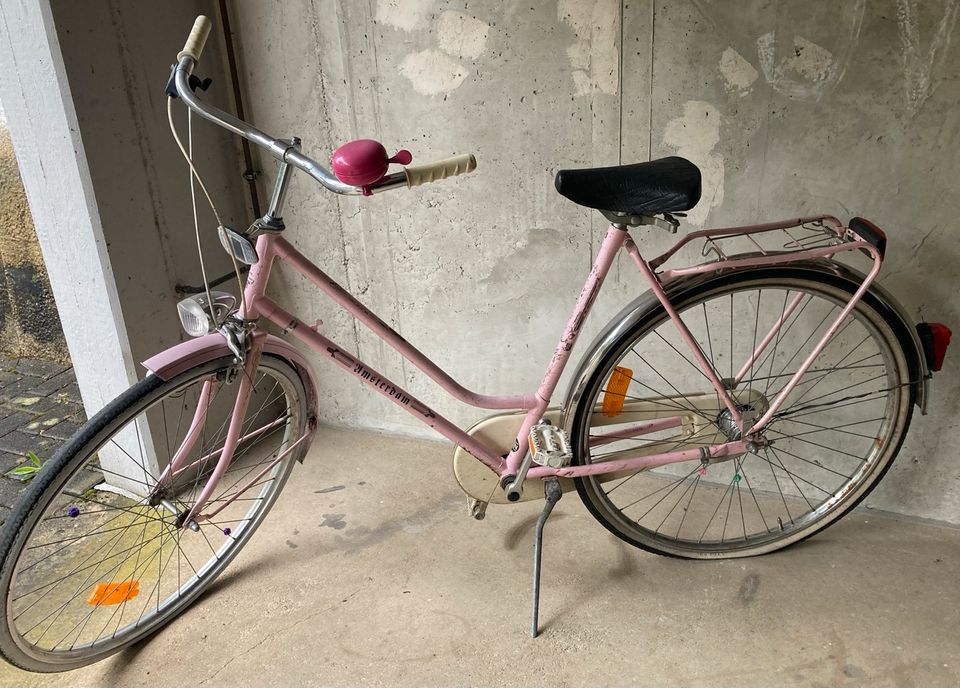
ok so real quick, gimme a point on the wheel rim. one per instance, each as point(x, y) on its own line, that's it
point(830, 445)
point(101, 567)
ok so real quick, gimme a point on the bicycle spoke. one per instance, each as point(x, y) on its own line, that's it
point(836, 403)
point(814, 463)
point(776, 344)
point(816, 381)
point(723, 498)
point(713, 361)
point(686, 509)
point(122, 510)
point(139, 465)
point(821, 446)
point(677, 503)
point(692, 364)
point(672, 486)
point(794, 477)
point(673, 405)
point(691, 408)
point(834, 368)
point(755, 501)
point(57, 611)
point(73, 572)
point(836, 428)
point(672, 447)
point(756, 328)
point(807, 340)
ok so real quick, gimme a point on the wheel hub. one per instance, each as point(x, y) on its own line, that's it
point(750, 413)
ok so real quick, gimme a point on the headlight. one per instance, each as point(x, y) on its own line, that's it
point(195, 312)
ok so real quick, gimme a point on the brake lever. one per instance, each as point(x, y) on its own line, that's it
point(194, 81)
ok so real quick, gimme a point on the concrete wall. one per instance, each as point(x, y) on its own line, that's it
point(788, 107)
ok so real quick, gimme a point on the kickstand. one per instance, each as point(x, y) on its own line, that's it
point(553, 492)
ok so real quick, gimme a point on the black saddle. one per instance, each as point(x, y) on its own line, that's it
point(659, 186)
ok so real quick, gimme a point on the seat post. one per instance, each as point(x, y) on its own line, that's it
point(667, 223)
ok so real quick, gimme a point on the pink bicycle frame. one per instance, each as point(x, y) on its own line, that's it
point(271, 247)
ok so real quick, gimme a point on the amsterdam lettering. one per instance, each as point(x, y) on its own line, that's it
point(358, 369)
point(380, 383)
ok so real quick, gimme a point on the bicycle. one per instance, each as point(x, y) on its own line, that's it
point(697, 425)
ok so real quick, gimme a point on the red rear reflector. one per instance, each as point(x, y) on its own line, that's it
point(935, 337)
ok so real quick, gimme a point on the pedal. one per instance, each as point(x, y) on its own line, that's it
point(549, 446)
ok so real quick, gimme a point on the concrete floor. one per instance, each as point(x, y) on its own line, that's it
point(369, 571)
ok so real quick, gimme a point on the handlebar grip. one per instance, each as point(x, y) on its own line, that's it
point(424, 174)
point(196, 40)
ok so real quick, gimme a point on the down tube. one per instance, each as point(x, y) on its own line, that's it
point(378, 382)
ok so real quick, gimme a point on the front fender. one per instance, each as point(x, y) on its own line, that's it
point(193, 352)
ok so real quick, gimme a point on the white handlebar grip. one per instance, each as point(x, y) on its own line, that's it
point(195, 41)
point(423, 174)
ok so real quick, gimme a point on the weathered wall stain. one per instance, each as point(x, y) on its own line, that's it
point(431, 72)
point(695, 135)
point(595, 54)
point(918, 64)
point(737, 72)
point(461, 34)
point(403, 14)
point(806, 70)
point(797, 66)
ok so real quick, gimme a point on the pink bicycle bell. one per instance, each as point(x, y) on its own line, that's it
point(364, 162)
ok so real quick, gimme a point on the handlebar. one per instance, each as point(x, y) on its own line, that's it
point(289, 152)
point(197, 39)
point(435, 171)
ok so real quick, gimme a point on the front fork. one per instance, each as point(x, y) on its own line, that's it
point(250, 363)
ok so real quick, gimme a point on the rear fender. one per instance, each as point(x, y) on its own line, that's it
point(194, 352)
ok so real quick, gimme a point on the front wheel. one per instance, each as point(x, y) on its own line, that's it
point(828, 445)
point(93, 560)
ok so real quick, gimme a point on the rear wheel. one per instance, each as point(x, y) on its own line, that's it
point(91, 563)
point(829, 444)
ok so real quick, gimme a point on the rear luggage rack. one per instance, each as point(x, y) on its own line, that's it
point(807, 238)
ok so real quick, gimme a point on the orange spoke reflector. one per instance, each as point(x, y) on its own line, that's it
point(113, 593)
point(615, 393)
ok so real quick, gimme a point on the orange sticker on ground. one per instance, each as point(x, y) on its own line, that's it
point(615, 393)
point(113, 593)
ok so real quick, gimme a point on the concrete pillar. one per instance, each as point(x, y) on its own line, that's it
point(82, 87)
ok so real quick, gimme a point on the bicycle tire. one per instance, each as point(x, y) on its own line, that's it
point(869, 313)
point(36, 510)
